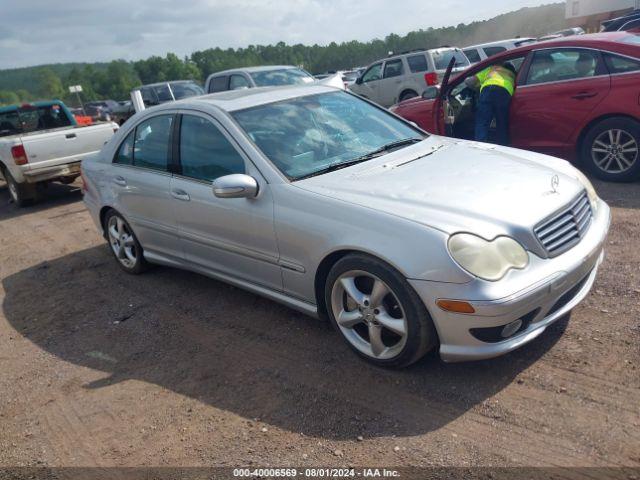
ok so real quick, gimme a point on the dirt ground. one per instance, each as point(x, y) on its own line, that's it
point(99, 368)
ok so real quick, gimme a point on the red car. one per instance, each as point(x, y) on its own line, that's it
point(576, 97)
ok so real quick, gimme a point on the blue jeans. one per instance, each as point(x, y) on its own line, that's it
point(494, 103)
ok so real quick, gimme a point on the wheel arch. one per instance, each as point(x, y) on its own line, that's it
point(593, 122)
point(102, 215)
point(325, 265)
point(406, 90)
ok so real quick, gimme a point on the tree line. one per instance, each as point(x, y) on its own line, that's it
point(117, 78)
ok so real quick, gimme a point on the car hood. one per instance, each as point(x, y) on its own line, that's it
point(454, 185)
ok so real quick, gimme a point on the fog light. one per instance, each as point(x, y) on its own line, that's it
point(511, 328)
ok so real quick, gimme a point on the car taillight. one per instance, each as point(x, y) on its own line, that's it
point(431, 78)
point(19, 155)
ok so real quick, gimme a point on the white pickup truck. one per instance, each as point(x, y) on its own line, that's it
point(41, 142)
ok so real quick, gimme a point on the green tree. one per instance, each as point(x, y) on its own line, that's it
point(8, 97)
point(49, 84)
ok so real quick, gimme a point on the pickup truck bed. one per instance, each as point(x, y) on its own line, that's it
point(41, 142)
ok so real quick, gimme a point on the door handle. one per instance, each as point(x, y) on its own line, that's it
point(118, 180)
point(584, 95)
point(180, 195)
point(70, 135)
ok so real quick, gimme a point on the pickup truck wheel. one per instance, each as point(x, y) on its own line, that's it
point(377, 312)
point(611, 150)
point(21, 194)
point(124, 245)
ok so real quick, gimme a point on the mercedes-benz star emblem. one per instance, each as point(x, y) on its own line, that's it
point(555, 181)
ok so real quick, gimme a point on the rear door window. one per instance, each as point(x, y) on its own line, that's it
point(124, 155)
point(563, 64)
point(619, 64)
point(151, 144)
point(417, 63)
point(393, 68)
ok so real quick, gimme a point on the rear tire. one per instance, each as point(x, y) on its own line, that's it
point(377, 312)
point(22, 194)
point(610, 150)
point(124, 244)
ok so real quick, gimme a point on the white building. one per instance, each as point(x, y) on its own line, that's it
point(588, 14)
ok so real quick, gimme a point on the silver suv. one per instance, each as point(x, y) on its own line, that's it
point(407, 75)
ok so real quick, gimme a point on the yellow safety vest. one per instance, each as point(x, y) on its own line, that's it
point(497, 75)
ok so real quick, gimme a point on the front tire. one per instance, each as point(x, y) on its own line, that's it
point(124, 244)
point(377, 312)
point(611, 150)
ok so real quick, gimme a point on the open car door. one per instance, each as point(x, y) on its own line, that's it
point(440, 120)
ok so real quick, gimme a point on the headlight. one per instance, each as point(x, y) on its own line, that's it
point(591, 192)
point(489, 260)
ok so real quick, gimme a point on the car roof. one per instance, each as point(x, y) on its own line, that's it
point(603, 40)
point(261, 68)
point(172, 82)
point(232, 100)
point(500, 42)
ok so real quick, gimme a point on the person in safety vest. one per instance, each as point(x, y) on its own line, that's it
point(497, 84)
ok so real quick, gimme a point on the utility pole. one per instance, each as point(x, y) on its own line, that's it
point(77, 89)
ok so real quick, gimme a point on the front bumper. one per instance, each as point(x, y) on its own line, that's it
point(540, 294)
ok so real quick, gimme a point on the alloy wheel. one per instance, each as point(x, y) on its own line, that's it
point(122, 242)
point(614, 151)
point(369, 314)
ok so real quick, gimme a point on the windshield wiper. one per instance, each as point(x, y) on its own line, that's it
point(377, 152)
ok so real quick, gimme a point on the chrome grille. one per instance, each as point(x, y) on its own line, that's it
point(566, 227)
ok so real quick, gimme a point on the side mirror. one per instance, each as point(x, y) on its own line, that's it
point(431, 93)
point(237, 185)
point(359, 81)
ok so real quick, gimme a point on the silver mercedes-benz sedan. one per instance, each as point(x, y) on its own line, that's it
point(323, 201)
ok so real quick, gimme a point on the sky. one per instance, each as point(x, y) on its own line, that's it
point(36, 32)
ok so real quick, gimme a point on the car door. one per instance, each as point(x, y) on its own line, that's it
point(232, 236)
point(561, 87)
point(391, 83)
point(368, 85)
point(141, 182)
